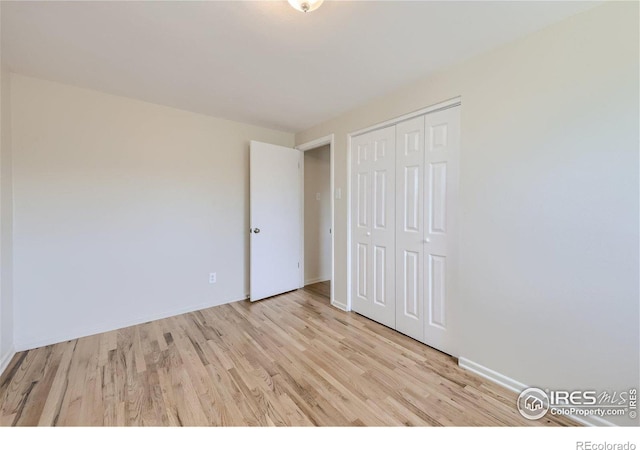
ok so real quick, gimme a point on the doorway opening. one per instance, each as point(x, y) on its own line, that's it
point(317, 223)
point(317, 220)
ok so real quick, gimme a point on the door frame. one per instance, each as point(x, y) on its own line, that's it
point(446, 104)
point(320, 142)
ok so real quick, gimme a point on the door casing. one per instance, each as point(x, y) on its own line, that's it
point(325, 140)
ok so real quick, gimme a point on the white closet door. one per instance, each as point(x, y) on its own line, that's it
point(410, 316)
point(442, 154)
point(373, 225)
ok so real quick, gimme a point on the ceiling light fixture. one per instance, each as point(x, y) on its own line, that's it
point(306, 5)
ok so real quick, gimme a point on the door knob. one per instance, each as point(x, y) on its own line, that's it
point(368, 233)
point(426, 241)
point(256, 230)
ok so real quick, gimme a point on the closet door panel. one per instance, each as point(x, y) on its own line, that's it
point(361, 221)
point(410, 227)
point(373, 225)
point(442, 154)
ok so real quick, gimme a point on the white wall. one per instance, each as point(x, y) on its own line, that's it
point(317, 215)
point(6, 223)
point(122, 208)
point(548, 200)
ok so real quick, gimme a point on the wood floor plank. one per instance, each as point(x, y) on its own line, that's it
point(321, 289)
point(55, 395)
point(76, 392)
point(19, 382)
point(34, 404)
point(291, 360)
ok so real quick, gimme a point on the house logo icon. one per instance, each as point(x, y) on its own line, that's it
point(533, 403)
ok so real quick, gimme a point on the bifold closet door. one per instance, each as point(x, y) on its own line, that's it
point(410, 316)
point(373, 225)
point(442, 155)
point(404, 227)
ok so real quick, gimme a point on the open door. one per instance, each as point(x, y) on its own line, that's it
point(275, 204)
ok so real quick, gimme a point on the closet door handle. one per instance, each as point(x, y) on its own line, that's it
point(368, 233)
point(426, 241)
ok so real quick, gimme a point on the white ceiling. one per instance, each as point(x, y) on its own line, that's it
point(259, 62)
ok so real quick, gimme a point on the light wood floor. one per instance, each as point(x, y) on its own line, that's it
point(288, 360)
point(322, 289)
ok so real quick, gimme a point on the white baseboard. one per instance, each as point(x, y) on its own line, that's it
point(104, 327)
point(516, 386)
point(6, 359)
point(492, 375)
point(316, 280)
point(339, 305)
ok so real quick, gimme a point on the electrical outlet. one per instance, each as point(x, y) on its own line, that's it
point(212, 278)
point(317, 195)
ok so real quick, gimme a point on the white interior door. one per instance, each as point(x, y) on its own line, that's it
point(373, 225)
point(275, 203)
point(442, 154)
point(410, 316)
